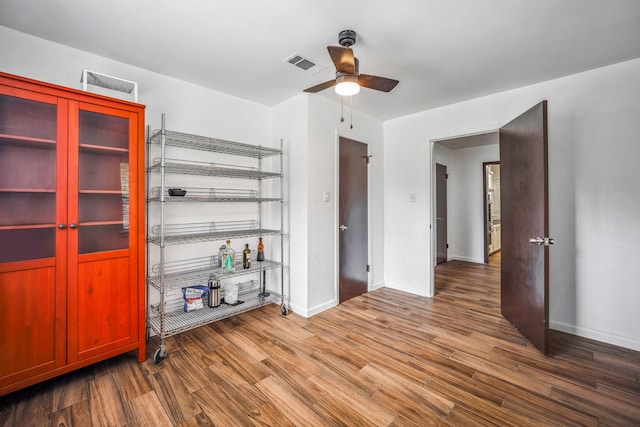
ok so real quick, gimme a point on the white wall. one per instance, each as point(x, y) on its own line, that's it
point(465, 202)
point(291, 124)
point(188, 108)
point(324, 125)
point(594, 204)
point(312, 126)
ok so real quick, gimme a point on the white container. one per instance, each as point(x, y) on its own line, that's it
point(231, 293)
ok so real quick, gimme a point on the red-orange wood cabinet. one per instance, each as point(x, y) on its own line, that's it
point(71, 230)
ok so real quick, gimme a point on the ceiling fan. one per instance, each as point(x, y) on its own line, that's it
point(348, 78)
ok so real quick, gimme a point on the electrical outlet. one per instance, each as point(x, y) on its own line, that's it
point(325, 195)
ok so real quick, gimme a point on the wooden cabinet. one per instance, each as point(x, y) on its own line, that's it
point(71, 230)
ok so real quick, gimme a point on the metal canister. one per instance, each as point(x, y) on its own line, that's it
point(214, 293)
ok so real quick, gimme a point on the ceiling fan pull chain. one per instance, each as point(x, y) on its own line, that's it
point(341, 109)
point(351, 99)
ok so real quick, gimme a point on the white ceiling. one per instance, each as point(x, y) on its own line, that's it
point(442, 51)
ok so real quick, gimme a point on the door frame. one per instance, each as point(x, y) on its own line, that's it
point(431, 183)
point(336, 215)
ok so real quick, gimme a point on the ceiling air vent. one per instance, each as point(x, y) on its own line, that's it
point(300, 62)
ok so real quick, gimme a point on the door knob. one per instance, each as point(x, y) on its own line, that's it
point(73, 225)
point(540, 241)
point(62, 226)
point(343, 227)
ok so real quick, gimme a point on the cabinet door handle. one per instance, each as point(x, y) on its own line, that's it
point(72, 225)
point(62, 226)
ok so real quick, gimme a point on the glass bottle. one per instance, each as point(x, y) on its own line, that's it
point(246, 257)
point(221, 255)
point(229, 256)
point(260, 250)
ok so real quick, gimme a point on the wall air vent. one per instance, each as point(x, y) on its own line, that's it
point(300, 62)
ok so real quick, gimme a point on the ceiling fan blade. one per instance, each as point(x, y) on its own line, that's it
point(321, 86)
point(342, 58)
point(377, 83)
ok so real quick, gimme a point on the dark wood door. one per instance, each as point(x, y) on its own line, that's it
point(524, 211)
point(353, 218)
point(441, 213)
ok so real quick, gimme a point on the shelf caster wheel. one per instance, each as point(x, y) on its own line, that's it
point(284, 310)
point(159, 355)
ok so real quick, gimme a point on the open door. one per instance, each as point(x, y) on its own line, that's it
point(525, 225)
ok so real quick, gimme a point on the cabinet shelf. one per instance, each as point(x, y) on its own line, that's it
point(203, 143)
point(211, 169)
point(26, 226)
point(104, 149)
point(114, 192)
point(98, 223)
point(27, 190)
point(219, 195)
point(19, 140)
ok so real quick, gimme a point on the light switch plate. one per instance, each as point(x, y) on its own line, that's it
point(325, 195)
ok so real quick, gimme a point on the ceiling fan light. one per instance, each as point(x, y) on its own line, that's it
point(347, 85)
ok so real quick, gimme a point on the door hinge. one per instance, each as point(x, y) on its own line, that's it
point(367, 159)
point(368, 268)
point(446, 176)
point(447, 246)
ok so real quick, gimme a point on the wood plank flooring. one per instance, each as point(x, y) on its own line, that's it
point(386, 358)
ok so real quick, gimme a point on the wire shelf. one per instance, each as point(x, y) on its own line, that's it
point(177, 321)
point(198, 271)
point(203, 143)
point(220, 195)
point(210, 169)
point(207, 231)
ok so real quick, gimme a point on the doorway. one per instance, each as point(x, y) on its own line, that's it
point(441, 214)
point(353, 246)
point(492, 226)
point(524, 223)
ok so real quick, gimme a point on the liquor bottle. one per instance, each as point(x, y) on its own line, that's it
point(246, 257)
point(229, 256)
point(260, 250)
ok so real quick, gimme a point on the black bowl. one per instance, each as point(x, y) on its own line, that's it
point(177, 192)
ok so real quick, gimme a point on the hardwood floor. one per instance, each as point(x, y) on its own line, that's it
point(385, 358)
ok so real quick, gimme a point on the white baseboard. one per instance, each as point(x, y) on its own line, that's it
point(378, 285)
point(466, 259)
point(304, 312)
point(412, 290)
point(618, 340)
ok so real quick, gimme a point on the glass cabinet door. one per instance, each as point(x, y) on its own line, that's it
point(103, 182)
point(28, 156)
